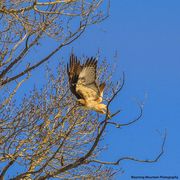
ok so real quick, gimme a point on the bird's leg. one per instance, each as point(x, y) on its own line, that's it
point(99, 99)
point(81, 102)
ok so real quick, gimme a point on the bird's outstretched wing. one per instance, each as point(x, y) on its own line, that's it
point(86, 84)
point(82, 79)
point(73, 70)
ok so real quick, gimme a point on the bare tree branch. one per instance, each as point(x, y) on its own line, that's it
point(118, 125)
point(135, 159)
point(26, 24)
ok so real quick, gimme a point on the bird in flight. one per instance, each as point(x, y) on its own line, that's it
point(82, 81)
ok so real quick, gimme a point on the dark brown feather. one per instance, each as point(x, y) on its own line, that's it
point(73, 71)
point(84, 75)
point(102, 86)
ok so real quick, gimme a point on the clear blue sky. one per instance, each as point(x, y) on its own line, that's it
point(146, 36)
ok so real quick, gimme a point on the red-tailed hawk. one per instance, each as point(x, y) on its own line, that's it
point(82, 81)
